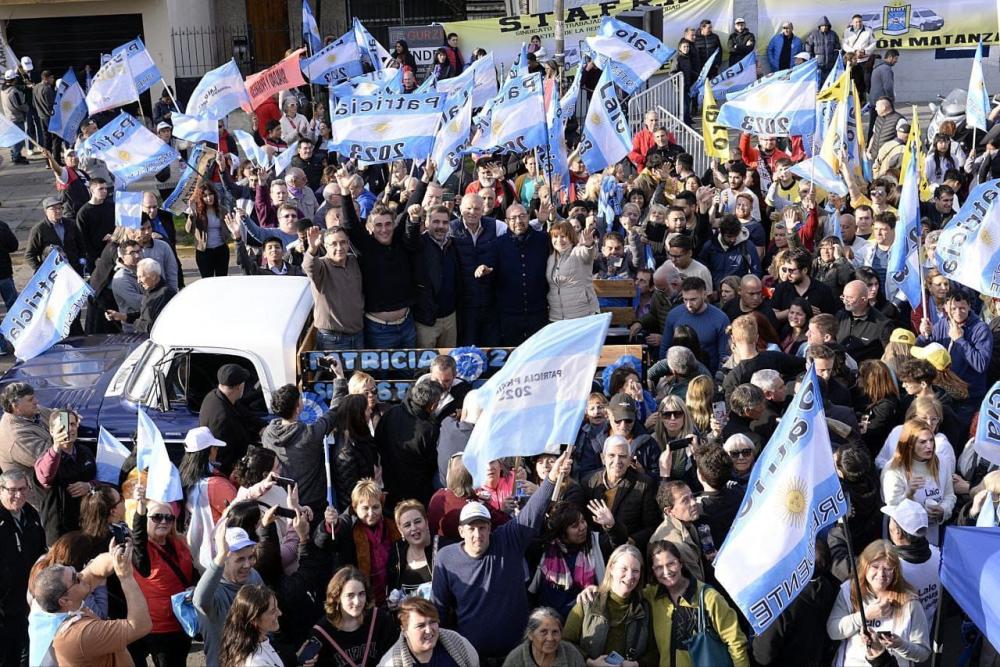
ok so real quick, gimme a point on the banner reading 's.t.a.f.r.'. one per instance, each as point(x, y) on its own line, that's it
point(503, 36)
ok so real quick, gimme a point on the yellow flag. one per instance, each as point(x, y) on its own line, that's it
point(914, 151)
point(716, 136)
point(837, 90)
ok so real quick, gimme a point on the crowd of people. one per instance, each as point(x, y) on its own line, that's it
point(598, 552)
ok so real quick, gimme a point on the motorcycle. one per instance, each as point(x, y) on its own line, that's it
point(951, 107)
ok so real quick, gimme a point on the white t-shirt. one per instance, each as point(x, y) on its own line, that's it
point(926, 581)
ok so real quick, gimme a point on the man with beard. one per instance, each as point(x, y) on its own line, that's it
point(437, 279)
point(800, 284)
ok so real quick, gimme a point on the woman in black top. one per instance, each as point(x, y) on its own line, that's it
point(354, 633)
point(411, 559)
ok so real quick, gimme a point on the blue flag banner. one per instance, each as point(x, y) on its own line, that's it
point(69, 108)
point(194, 129)
point(782, 104)
point(10, 134)
point(178, 199)
point(310, 31)
point(987, 439)
point(970, 572)
point(606, 135)
point(111, 455)
point(699, 84)
point(429, 85)
point(374, 52)
point(733, 79)
point(144, 70)
point(968, 249)
point(792, 494)
point(977, 104)
point(453, 136)
point(163, 482)
point(335, 62)
point(542, 390)
point(129, 149)
point(517, 122)
point(219, 92)
point(251, 150)
point(632, 54)
point(482, 74)
point(903, 268)
point(567, 102)
point(284, 158)
point(552, 159)
point(386, 128)
point(45, 308)
point(609, 201)
point(128, 209)
point(818, 171)
point(374, 83)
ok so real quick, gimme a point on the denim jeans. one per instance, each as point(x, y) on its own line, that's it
point(383, 336)
point(331, 340)
point(8, 292)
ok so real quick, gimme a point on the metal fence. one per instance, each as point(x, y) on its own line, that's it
point(666, 97)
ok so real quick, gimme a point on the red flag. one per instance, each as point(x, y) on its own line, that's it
point(282, 76)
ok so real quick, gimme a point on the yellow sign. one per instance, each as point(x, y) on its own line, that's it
point(716, 136)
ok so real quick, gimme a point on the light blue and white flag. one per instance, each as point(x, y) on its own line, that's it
point(987, 439)
point(371, 50)
point(251, 150)
point(128, 209)
point(541, 390)
point(567, 102)
point(634, 55)
point(818, 171)
point(195, 129)
point(698, 88)
point(606, 135)
point(177, 201)
point(69, 109)
point(284, 158)
point(219, 92)
point(336, 62)
point(732, 79)
point(388, 80)
point(429, 85)
point(129, 149)
point(968, 250)
point(782, 104)
point(977, 104)
point(310, 31)
point(517, 122)
point(386, 128)
point(970, 572)
point(902, 271)
point(453, 135)
point(113, 85)
point(792, 494)
point(42, 628)
point(111, 455)
point(163, 482)
point(45, 308)
point(609, 200)
point(824, 110)
point(518, 68)
point(552, 159)
point(144, 70)
point(10, 134)
point(482, 74)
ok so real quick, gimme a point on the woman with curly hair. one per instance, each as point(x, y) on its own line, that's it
point(353, 625)
point(206, 221)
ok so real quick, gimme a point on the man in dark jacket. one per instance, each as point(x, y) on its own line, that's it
point(883, 81)
point(96, 221)
point(8, 244)
point(473, 234)
point(312, 165)
point(633, 512)
point(57, 231)
point(719, 503)
point(227, 417)
point(862, 330)
point(406, 438)
point(823, 44)
point(156, 295)
point(436, 280)
point(730, 252)
point(741, 42)
point(44, 97)
point(706, 43)
point(22, 541)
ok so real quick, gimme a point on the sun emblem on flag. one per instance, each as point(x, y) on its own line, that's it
point(985, 238)
point(124, 155)
point(497, 126)
point(51, 312)
point(66, 106)
point(381, 128)
point(624, 56)
point(332, 57)
point(795, 501)
point(594, 119)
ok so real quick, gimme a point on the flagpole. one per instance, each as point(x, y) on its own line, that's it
point(556, 493)
point(853, 572)
point(169, 94)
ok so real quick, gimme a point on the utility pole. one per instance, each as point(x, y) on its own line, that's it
point(559, 9)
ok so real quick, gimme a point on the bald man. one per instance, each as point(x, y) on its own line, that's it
point(666, 295)
point(751, 300)
point(862, 331)
point(474, 235)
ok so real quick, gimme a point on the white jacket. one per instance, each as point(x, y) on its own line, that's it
point(909, 624)
point(859, 40)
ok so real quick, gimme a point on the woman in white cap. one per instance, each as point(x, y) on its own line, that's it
point(207, 491)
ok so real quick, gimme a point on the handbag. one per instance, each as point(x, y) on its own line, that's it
point(705, 647)
point(184, 610)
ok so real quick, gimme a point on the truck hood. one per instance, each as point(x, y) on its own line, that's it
point(76, 372)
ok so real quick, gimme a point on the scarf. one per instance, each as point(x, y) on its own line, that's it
point(555, 567)
point(378, 546)
point(453, 643)
point(918, 552)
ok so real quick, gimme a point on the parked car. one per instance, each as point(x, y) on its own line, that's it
point(926, 19)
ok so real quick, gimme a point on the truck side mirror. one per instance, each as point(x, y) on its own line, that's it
point(161, 391)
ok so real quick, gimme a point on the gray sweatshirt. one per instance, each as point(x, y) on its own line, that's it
point(213, 596)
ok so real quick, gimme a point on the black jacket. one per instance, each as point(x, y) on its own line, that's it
point(353, 460)
point(863, 337)
point(798, 636)
point(785, 364)
point(299, 448)
point(706, 45)
point(864, 521)
point(436, 281)
point(718, 511)
point(635, 510)
point(20, 546)
point(8, 244)
point(313, 169)
point(59, 510)
point(152, 304)
point(406, 439)
point(235, 425)
point(95, 221)
point(740, 45)
point(252, 268)
point(43, 235)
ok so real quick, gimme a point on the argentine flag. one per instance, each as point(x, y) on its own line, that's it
point(129, 149)
point(792, 494)
point(113, 85)
point(69, 109)
point(111, 455)
point(336, 62)
point(310, 31)
point(128, 209)
point(144, 70)
point(782, 104)
point(45, 309)
point(632, 54)
point(968, 249)
point(10, 134)
point(517, 120)
point(552, 160)
point(977, 104)
point(818, 171)
point(369, 46)
point(284, 158)
point(567, 102)
point(732, 79)
point(163, 482)
point(699, 84)
point(902, 271)
point(219, 92)
point(606, 135)
point(453, 135)
point(251, 150)
point(542, 390)
point(482, 74)
point(387, 127)
point(195, 129)
point(987, 439)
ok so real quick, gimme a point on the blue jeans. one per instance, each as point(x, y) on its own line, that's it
point(383, 336)
point(331, 340)
point(8, 292)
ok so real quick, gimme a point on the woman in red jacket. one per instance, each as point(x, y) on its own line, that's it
point(163, 567)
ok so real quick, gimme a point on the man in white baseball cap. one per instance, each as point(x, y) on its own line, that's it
point(919, 560)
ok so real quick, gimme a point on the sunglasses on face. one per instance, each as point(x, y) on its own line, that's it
point(672, 414)
point(741, 453)
point(162, 518)
point(623, 421)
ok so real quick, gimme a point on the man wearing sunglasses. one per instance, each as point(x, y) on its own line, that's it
point(22, 541)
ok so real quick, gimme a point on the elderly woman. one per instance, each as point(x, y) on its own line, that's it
point(670, 376)
point(67, 471)
point(294, 126)
point(24, 434)
point(743, 453)
point(543, 645)
point(424, 641)
point(569, 271)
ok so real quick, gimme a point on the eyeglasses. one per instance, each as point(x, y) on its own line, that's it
point(741, 454)
point(162, 518)
point(15, 490)
point(672, 414)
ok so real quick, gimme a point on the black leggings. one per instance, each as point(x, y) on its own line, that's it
point(168, 649)
point(213, 261)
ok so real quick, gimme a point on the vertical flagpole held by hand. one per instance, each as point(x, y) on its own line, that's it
point(170, 95)
point(329, 477)
point(559, 480)
point(853, 569)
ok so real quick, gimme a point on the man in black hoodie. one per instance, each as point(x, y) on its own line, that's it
point(706, 43)
point(406, 439)
point(823, 45)
point(741, 42)
point(718, 503)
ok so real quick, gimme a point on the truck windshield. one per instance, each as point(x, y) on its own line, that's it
point(138, 386)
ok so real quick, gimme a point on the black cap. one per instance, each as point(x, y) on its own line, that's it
point(232, 375)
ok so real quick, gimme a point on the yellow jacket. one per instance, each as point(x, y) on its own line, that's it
point(720, 616)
